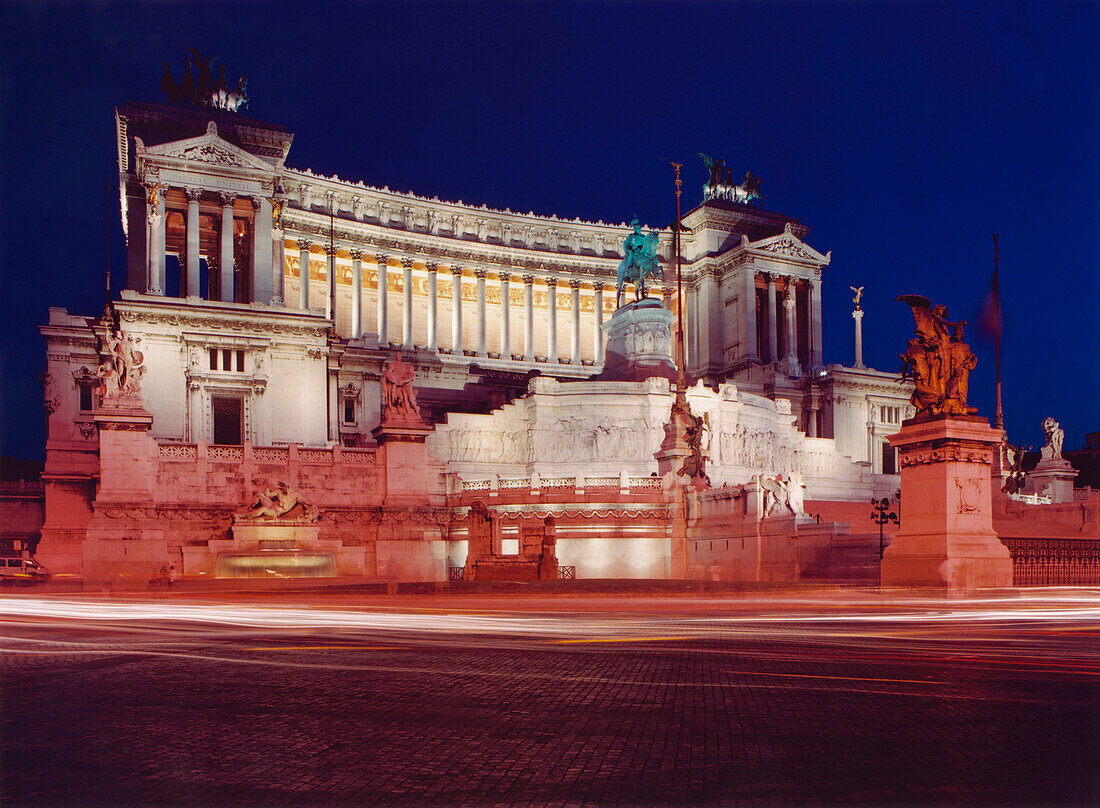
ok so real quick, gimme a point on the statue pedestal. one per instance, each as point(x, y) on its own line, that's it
point(1052, 478)
point(408, 475)
point(639, 342)
point(946, 537)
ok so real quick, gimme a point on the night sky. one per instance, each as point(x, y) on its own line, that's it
point(904, 135)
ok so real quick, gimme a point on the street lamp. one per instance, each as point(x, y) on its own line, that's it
point(881, 515)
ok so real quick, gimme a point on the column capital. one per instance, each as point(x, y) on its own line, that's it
point(599, 287)
point(406, 262)
point(381, 259)
point(480, 273)
point(304, 244)
point(193, 194)
point(551, 282)
point(431, 266)
point(505, 276)
point(330, 249)
point(356, 254)
point(456, 270)
point(529, 279)
point(228, 198)
point(574, 283)
point(256, 201)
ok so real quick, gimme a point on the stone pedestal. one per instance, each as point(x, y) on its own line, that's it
point(639, 342)
point(125, 543)
point(1052, 478)
point(946, 537)
point(408, 475)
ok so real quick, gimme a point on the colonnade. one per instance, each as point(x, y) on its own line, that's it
point(789, 323)
point(266, 248)
point(460, 277)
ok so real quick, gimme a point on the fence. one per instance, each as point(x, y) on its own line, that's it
point(1054, 562)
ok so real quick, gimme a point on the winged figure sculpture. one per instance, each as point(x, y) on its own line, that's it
point(937, 359)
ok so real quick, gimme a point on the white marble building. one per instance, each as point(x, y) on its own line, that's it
point(265, 300)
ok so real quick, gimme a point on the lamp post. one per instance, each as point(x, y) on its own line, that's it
point(881, 515)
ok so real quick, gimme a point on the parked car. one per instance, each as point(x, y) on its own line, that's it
point(22, 570)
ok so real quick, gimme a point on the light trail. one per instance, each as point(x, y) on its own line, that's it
point(1044, 610)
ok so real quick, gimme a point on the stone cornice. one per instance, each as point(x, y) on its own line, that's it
point(236, 318)
point(351, 234)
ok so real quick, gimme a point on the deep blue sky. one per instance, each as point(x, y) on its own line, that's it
point(903, 135)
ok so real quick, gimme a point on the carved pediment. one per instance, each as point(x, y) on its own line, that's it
point(789, 245)
point(208, 148)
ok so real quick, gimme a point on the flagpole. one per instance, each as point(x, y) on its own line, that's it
point(998, 414)
point(679, 286)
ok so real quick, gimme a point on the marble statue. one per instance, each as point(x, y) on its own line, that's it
point(1013, 467)
point(120, 373)
point(279, 501)
point(398, 396)
point(639, 261)
point(938, 360)
point(1055, 436)
point(783, 496)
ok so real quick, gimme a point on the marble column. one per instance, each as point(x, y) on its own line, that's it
point(479, 273)
point(857, 315)
point(356, 294)
point(383, 294)
point(575, 324)
point(227, 292)
point(192, 260)
point(330, 283)
point(505, 321)
point(773, 322)
point(433, 332)
point(815, 323)
point(262, 290)
point(157, 217)
point(552, 316)
point(278, 267)
point(456, 311)
point(529, 318)
point(303, 274)
point(407, 303)
point(598, 348)
point(748, 305)
point(792, 331)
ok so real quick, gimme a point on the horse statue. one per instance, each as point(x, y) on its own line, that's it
point(639, 261)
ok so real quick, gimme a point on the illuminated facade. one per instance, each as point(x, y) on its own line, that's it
point(266, 300)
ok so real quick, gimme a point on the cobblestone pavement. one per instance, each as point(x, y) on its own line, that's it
point(766, 711)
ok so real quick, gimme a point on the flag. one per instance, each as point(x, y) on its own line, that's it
point(990, 322)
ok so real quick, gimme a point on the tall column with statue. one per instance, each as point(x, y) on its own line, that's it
point(857, 315)
point(946, 539)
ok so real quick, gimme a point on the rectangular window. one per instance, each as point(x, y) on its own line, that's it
point(213, 358)
point(509, 547)
point(227, 420)
point(349, 410)
point(888, 464)
point(240, 361)
point(85, 397)
point(227, 360)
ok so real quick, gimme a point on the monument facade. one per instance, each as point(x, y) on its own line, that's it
point(391, 356)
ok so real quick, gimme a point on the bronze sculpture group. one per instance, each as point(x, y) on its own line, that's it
point(937, 360)
point(202, 89)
